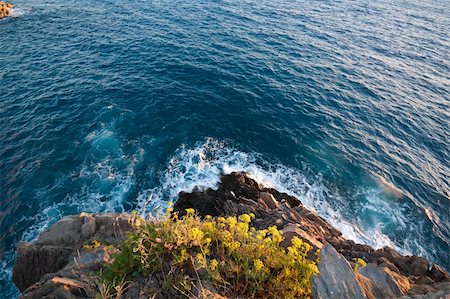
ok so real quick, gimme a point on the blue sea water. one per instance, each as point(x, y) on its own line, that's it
point(345, 104)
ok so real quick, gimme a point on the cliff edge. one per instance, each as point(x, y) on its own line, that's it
point(63, 261)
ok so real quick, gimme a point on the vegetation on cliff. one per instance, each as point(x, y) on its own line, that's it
point(226, 255)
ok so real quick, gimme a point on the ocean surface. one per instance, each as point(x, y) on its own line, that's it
point(344, 104)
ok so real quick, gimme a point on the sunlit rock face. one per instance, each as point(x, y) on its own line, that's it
point(5, 9)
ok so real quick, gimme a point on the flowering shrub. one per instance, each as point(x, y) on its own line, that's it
point(227, 253)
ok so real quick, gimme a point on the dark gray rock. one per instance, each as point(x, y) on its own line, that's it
point(336, 279)
point(54, 247)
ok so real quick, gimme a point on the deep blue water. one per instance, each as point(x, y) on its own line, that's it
point(344, 104)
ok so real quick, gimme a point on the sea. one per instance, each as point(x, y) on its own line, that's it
point(120, 105)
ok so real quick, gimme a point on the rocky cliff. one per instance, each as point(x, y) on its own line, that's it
point(62, 264)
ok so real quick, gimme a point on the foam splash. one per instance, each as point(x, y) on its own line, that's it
point(102, 182)
point(19, 11)
point(201, 167)
point(107, 178)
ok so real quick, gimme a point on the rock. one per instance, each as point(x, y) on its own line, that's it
point(438, 274)
point(208, 294)
point(52, 250)
point(384, 262)
point(5, 9)
point(424, 280)
point(383, 283)
point(292, 230)
point(269, 200)
point(336, 278)
point(88, 227)
point(74, 280)
point(436, 291)
point(59, 287)
point(57, 266)
point(34, 261)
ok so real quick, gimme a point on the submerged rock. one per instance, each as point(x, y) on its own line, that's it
point(5, 9)
point(56, 266)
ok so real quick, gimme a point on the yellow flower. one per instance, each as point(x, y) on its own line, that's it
point(190, 212)
point(184, 256)
point(261, 234)
point(252, 215)
point(258, 264)
point(242, 228)
point(196, 234)
point(235, 245)
point(214, 263)
point(245, 218)
point(232, 221)
point(208, 227)
point(297, 242)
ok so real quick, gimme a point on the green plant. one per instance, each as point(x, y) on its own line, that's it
point(228, 253)
point(359, 263)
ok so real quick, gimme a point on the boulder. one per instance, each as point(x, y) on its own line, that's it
point(336, 279)
point(381, 282)
point(54, 247)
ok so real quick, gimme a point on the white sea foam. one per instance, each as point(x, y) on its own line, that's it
point(201, 167)
point(18, 11)
point(103, 181)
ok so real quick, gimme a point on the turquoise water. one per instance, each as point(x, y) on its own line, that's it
point(344, 104)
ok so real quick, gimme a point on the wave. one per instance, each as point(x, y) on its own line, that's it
point(100, 184)
point(201, 167)
point(108, 174)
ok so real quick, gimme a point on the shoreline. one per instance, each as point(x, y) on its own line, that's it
point(42, 267)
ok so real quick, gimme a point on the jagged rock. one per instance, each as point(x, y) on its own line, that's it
point(435, 291)
point(74, 280)
point(56, 265)
point(51, 251)
point(34, 261)
point(438, 274)
point(336, 278)
point(382, 282)
point(269, 200)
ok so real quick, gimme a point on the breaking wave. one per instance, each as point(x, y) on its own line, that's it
point(201, 167)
